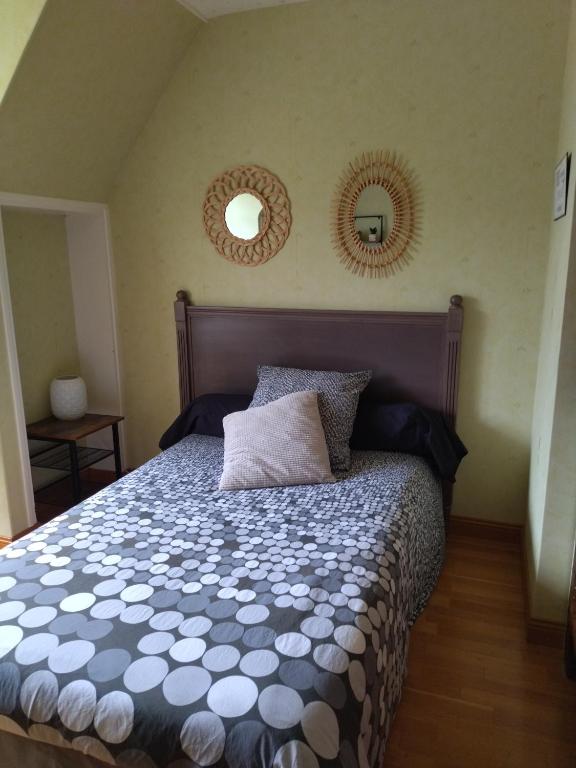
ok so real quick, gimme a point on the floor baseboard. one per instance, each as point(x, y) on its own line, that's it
point(5, 540)
point(549, 633)
point(486, 529)
point(25, 531)
point(99, 475)
point(102, 475)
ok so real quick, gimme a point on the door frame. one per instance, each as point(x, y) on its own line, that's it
point(85, 216)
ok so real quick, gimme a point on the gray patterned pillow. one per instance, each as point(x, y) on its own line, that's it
point(338, 395)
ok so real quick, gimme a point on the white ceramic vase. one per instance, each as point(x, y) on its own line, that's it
point(68, 398)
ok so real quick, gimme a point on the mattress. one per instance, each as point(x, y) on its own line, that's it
point(165, 623)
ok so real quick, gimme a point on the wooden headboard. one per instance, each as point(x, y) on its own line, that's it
point(413, 356)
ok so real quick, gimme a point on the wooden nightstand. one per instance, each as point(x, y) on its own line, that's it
point(75, 458)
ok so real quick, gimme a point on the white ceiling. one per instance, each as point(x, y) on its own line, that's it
point(209, 9)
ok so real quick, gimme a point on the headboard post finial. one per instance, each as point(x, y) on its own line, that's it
point(455, 313)
point(183, 347)
point(456, 300)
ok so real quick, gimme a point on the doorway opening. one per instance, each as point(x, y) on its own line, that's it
point(58, 305)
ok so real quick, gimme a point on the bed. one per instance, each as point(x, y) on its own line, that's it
point(165, 623)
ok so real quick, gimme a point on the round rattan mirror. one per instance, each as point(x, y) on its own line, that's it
point(247, 215)
point(376, 215)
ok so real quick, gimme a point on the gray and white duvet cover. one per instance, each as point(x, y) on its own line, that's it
point(165, 623)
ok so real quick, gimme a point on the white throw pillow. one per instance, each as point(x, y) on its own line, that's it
point(281, 443)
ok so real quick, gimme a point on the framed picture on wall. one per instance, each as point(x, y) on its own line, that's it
point(561, 179)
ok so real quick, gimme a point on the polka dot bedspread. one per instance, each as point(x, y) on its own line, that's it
point(165, 623)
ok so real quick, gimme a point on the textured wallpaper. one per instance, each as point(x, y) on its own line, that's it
point(43, 311)
point(17, 20)
point(468, 92)
point(88, 80)
point(85, 85)
point(552, 502)
point(12, 501)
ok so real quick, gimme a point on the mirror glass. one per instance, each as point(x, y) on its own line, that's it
point(244, 216)
point(374, 215)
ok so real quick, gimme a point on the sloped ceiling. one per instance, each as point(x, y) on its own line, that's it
point(17, 20)
point(209, 9)
point(88, 80)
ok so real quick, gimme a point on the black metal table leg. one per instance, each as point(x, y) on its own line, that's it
point(117, 458)
point(75, 472)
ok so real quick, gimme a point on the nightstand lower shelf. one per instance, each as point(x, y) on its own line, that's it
point(51, 463)
point(58, 457)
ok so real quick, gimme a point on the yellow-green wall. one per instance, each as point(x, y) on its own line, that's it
point(552, 502)
point(42, 305)
point(12, 502)
point(468, 92)
point(17, 20)
point(86, 84)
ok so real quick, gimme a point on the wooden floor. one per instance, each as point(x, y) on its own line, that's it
point(477, 695)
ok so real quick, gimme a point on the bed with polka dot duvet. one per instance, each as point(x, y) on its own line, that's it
point(162, 622)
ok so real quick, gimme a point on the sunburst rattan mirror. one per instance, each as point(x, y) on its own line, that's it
point(376, 214)
point(247, 215)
